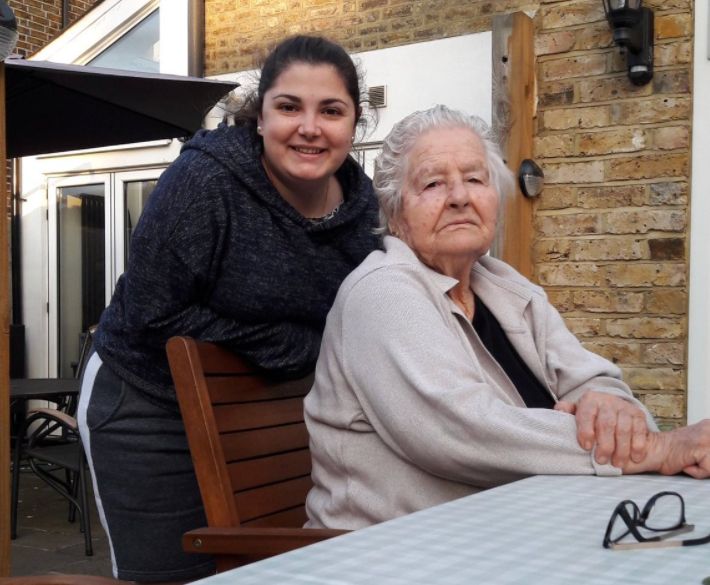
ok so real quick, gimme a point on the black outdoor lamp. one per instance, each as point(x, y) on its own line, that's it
point(632, 26)
point(530, 178)
point(8, 30)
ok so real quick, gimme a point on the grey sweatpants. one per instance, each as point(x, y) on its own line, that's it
point(144, 482)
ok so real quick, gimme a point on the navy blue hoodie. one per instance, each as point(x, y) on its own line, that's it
point(220, 256)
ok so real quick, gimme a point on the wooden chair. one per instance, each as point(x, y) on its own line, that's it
point(249, 445)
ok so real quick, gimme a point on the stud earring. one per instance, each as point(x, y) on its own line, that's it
point(259, 130)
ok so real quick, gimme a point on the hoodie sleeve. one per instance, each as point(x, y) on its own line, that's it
point(175, 261)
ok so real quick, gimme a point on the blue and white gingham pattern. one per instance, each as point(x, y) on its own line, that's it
point(544, 529)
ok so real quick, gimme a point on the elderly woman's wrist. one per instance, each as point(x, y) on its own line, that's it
point(657, 448)
point(671, 452)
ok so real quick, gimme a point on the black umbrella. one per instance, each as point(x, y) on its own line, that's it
point(52, 107)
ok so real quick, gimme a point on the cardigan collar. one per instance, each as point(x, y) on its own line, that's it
point(488, 276)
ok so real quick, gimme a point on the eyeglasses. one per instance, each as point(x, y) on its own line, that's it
point(663, 514)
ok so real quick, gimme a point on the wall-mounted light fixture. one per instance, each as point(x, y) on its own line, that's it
point(632, 26)
point(531, 178)
point(8, 30)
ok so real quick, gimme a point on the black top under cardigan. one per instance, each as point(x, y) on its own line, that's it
point(491, 334)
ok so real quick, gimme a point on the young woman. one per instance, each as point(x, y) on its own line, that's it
point(244, 242)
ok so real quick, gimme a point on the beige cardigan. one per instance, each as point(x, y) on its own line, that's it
point(408, 408)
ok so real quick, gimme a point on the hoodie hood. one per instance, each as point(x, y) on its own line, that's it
point(238, 150)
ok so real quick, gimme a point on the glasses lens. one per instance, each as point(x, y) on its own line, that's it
point(663, 512)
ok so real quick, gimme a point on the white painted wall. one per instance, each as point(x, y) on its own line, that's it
point(456, 72)
point(174, 46)
point(699, 310)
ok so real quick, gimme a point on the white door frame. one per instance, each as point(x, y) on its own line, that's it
point(699, 300)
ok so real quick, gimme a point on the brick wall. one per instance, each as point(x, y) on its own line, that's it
point(612, 224)
point(237, 30)
point(40, 21)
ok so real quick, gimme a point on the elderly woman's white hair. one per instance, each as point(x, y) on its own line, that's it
point(390, 164)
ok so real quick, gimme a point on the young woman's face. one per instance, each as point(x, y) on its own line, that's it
point(307, 123)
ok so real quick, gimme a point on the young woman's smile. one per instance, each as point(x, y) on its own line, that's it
point(307, 123)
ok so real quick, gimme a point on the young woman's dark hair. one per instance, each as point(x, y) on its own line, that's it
point(301, 49)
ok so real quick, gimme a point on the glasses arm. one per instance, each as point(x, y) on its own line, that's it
point(661, 541)
point(694, 541)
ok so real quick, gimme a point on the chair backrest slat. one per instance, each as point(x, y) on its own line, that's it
point(272, 498)
point(247, 437)
point(261, 442)
point(252, 387)
point(267, 470)
point(254, 415)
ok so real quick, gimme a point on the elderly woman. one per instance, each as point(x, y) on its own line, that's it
point(443, 371)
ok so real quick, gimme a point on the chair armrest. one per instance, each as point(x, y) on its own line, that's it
point(59, 416)
point(253, 541)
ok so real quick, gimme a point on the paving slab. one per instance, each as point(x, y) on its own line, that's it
point(47, 542)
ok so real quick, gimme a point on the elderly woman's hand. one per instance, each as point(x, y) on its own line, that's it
point(615, 426)
point(686, 449)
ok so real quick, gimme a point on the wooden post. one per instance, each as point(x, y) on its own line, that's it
point(4, 348)
point(513, 115)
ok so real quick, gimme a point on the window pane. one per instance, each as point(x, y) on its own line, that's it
point(81, 267)
point(137, 50)
point(136, 195)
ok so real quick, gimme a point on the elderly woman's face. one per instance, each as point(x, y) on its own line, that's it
point(449, 205)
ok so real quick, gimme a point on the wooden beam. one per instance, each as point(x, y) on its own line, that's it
point(513, 117)
point(4, 348)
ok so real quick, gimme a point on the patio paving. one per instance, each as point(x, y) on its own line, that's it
point(47, 542)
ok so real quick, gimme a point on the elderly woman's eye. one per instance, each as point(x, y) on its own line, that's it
point(432, 184)
point(474, 180)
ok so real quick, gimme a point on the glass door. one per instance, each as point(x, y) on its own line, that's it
point(91, 220)
point(79, 280)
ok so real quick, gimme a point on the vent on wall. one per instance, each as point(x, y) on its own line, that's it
point(377, 96)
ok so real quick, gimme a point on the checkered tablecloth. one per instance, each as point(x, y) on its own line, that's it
point(545, 529)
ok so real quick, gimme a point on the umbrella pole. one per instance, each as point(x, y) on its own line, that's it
point(4, 349)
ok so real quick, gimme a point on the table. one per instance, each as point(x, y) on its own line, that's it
point(43, 388)
point(541, 530)
point(53, 389)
